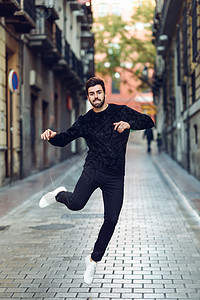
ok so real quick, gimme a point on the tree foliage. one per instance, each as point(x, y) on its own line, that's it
point(124, 45)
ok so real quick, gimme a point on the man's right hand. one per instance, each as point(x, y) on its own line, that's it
point(48, 134)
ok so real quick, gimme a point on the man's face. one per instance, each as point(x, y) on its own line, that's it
point(96, 96)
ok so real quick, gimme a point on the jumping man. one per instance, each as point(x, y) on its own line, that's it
point(106, 130)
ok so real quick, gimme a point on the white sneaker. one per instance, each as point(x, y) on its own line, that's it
point(50, 197)
point(90, 270)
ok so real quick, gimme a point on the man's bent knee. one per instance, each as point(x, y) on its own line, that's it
point(68, 199)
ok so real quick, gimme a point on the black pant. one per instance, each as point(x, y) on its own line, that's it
point(112, 187)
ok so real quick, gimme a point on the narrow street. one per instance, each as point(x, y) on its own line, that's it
point(154, 253)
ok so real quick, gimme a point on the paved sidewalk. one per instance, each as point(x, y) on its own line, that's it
point(188, 185)
point(154, 253)
point(12, 196)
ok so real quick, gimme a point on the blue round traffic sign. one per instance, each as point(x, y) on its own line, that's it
point(13, 81)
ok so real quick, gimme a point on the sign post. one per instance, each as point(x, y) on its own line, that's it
point(13, 82)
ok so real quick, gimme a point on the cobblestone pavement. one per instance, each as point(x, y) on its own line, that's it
point(154, 253)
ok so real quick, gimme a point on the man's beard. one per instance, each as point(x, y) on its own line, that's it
point(98, 104)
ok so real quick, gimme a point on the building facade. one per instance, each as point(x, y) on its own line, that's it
point(50, 47)
point(176, 85)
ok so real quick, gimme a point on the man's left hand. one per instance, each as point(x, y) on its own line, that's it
point(121, 126)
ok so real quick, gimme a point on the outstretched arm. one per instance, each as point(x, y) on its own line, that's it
point(63, 138)
point(137, 120)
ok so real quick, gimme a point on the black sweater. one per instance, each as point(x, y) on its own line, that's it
point(107, 147)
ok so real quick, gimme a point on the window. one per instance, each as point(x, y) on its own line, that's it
point(2, 126)
point(195, 134)
point(184, 91)
point(116, 9)
point(194, 29)
point(103, 9)
point(116, 83)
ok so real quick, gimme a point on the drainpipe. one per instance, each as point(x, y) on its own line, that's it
point(21, 52)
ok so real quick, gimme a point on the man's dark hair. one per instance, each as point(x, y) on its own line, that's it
point(94, 81)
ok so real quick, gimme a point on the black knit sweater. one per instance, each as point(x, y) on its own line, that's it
point(107, 147)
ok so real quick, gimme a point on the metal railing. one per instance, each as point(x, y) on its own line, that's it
point(67, 53)
point(43, 27)
point(73, 62)
point(57, 38)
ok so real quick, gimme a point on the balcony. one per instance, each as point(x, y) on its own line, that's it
point(41, 38)
point(21, 14)
point(49, 6)
point(64, 65)
point(87, 40)
point(47, 37)
point(165, 19)
point(85, 17)
point(57, 41)
point(81, 17)
point(9, 7)
point(170, 13)
point(70, 68)
point(74, 64)
point(74, 5)
point(80, 70)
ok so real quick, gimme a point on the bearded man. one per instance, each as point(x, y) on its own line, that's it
point(106, 129)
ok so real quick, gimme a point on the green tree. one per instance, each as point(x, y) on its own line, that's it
point(119, 44)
